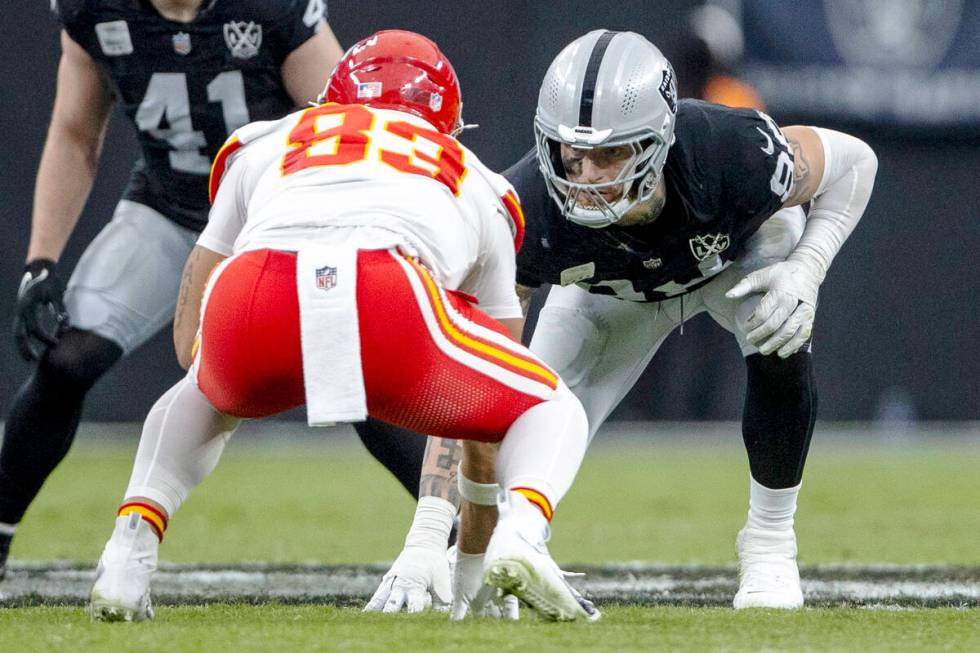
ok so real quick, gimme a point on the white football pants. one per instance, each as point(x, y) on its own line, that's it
point(600, 345)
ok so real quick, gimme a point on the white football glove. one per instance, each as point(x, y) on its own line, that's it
point(783, 320)
point(419, 578)
point(472, 596)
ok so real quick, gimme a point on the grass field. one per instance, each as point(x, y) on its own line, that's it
point(655, 501)
point(247, 629)
point(670, 501)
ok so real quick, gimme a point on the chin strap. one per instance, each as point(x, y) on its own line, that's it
point(459, 130)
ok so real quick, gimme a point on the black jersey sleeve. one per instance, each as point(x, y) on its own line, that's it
point(67, 11)
point(296, 23)
point(525, 177)
point(72, 16)
point(759, 176)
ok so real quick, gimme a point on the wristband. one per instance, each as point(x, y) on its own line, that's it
point(481, 494)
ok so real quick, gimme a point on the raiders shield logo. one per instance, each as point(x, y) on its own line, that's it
point(668, 88)
point(243, 39)
point(326, 278)
point(706, 245)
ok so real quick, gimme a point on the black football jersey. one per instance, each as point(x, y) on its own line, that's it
point(186, 87)
point(726, 173)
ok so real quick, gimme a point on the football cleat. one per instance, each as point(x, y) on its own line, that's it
point(767, 571)
point(517, 562)
point(122, 580)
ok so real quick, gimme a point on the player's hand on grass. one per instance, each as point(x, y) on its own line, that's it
point(40, 316)
point(471, 596)
point(418, 580)
point(783, 320)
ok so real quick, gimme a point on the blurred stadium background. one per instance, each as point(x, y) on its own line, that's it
point(894, 461)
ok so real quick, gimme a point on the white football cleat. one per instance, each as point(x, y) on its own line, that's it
point(122, 580)
point(767, 572)
point(517, 562)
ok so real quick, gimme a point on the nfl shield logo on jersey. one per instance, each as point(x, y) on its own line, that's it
point(243, 39)
point(326, 277)
point(182, 43)
point(703, 246)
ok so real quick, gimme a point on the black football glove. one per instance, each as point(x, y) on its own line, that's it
point(40, 317)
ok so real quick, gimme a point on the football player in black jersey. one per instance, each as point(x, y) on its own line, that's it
point(642, 211)
point(187, 73)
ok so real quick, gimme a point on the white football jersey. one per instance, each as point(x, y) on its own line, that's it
point(373, 179)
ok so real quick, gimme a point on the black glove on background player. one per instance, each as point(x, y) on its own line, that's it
point(40, 317)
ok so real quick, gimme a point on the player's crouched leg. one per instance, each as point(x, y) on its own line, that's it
point(537, 462)
point(466, 378)
point(182, 440)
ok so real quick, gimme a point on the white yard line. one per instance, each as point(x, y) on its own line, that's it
point(874, 586)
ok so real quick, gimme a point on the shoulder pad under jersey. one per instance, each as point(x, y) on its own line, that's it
point(239, 138)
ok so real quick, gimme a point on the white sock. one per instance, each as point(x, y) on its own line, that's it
point(544, 447)
point(7, 529)
point(182, 440)
point(771, 509)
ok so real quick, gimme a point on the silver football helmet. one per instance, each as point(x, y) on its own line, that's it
point(606, 89)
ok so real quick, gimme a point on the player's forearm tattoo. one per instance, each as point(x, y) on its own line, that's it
point(802, 180)
point(801, 171)
point(186, 281)
point(439, 469)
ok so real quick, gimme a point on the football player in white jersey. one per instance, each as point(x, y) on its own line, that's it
point(346, 251)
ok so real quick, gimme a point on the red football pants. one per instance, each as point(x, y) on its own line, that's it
point(431, 362)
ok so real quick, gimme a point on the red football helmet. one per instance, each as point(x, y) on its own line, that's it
point(396, 69)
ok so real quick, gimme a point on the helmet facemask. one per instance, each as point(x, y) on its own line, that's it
point(584, 203)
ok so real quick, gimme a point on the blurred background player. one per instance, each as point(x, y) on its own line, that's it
point(706, 57)
point(345, 253)
point(187, 73)
point(643, 211)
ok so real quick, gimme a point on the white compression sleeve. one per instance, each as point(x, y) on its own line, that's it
point(182, 440)
point(845, 188)
point(544, 447)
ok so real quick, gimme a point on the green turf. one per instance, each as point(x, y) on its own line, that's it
point(669, 503)
point(245, 629)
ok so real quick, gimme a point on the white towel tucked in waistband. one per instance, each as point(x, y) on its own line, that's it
point(326, 282)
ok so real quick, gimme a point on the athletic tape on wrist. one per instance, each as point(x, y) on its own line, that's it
point(482, 494)
point(434, 518)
